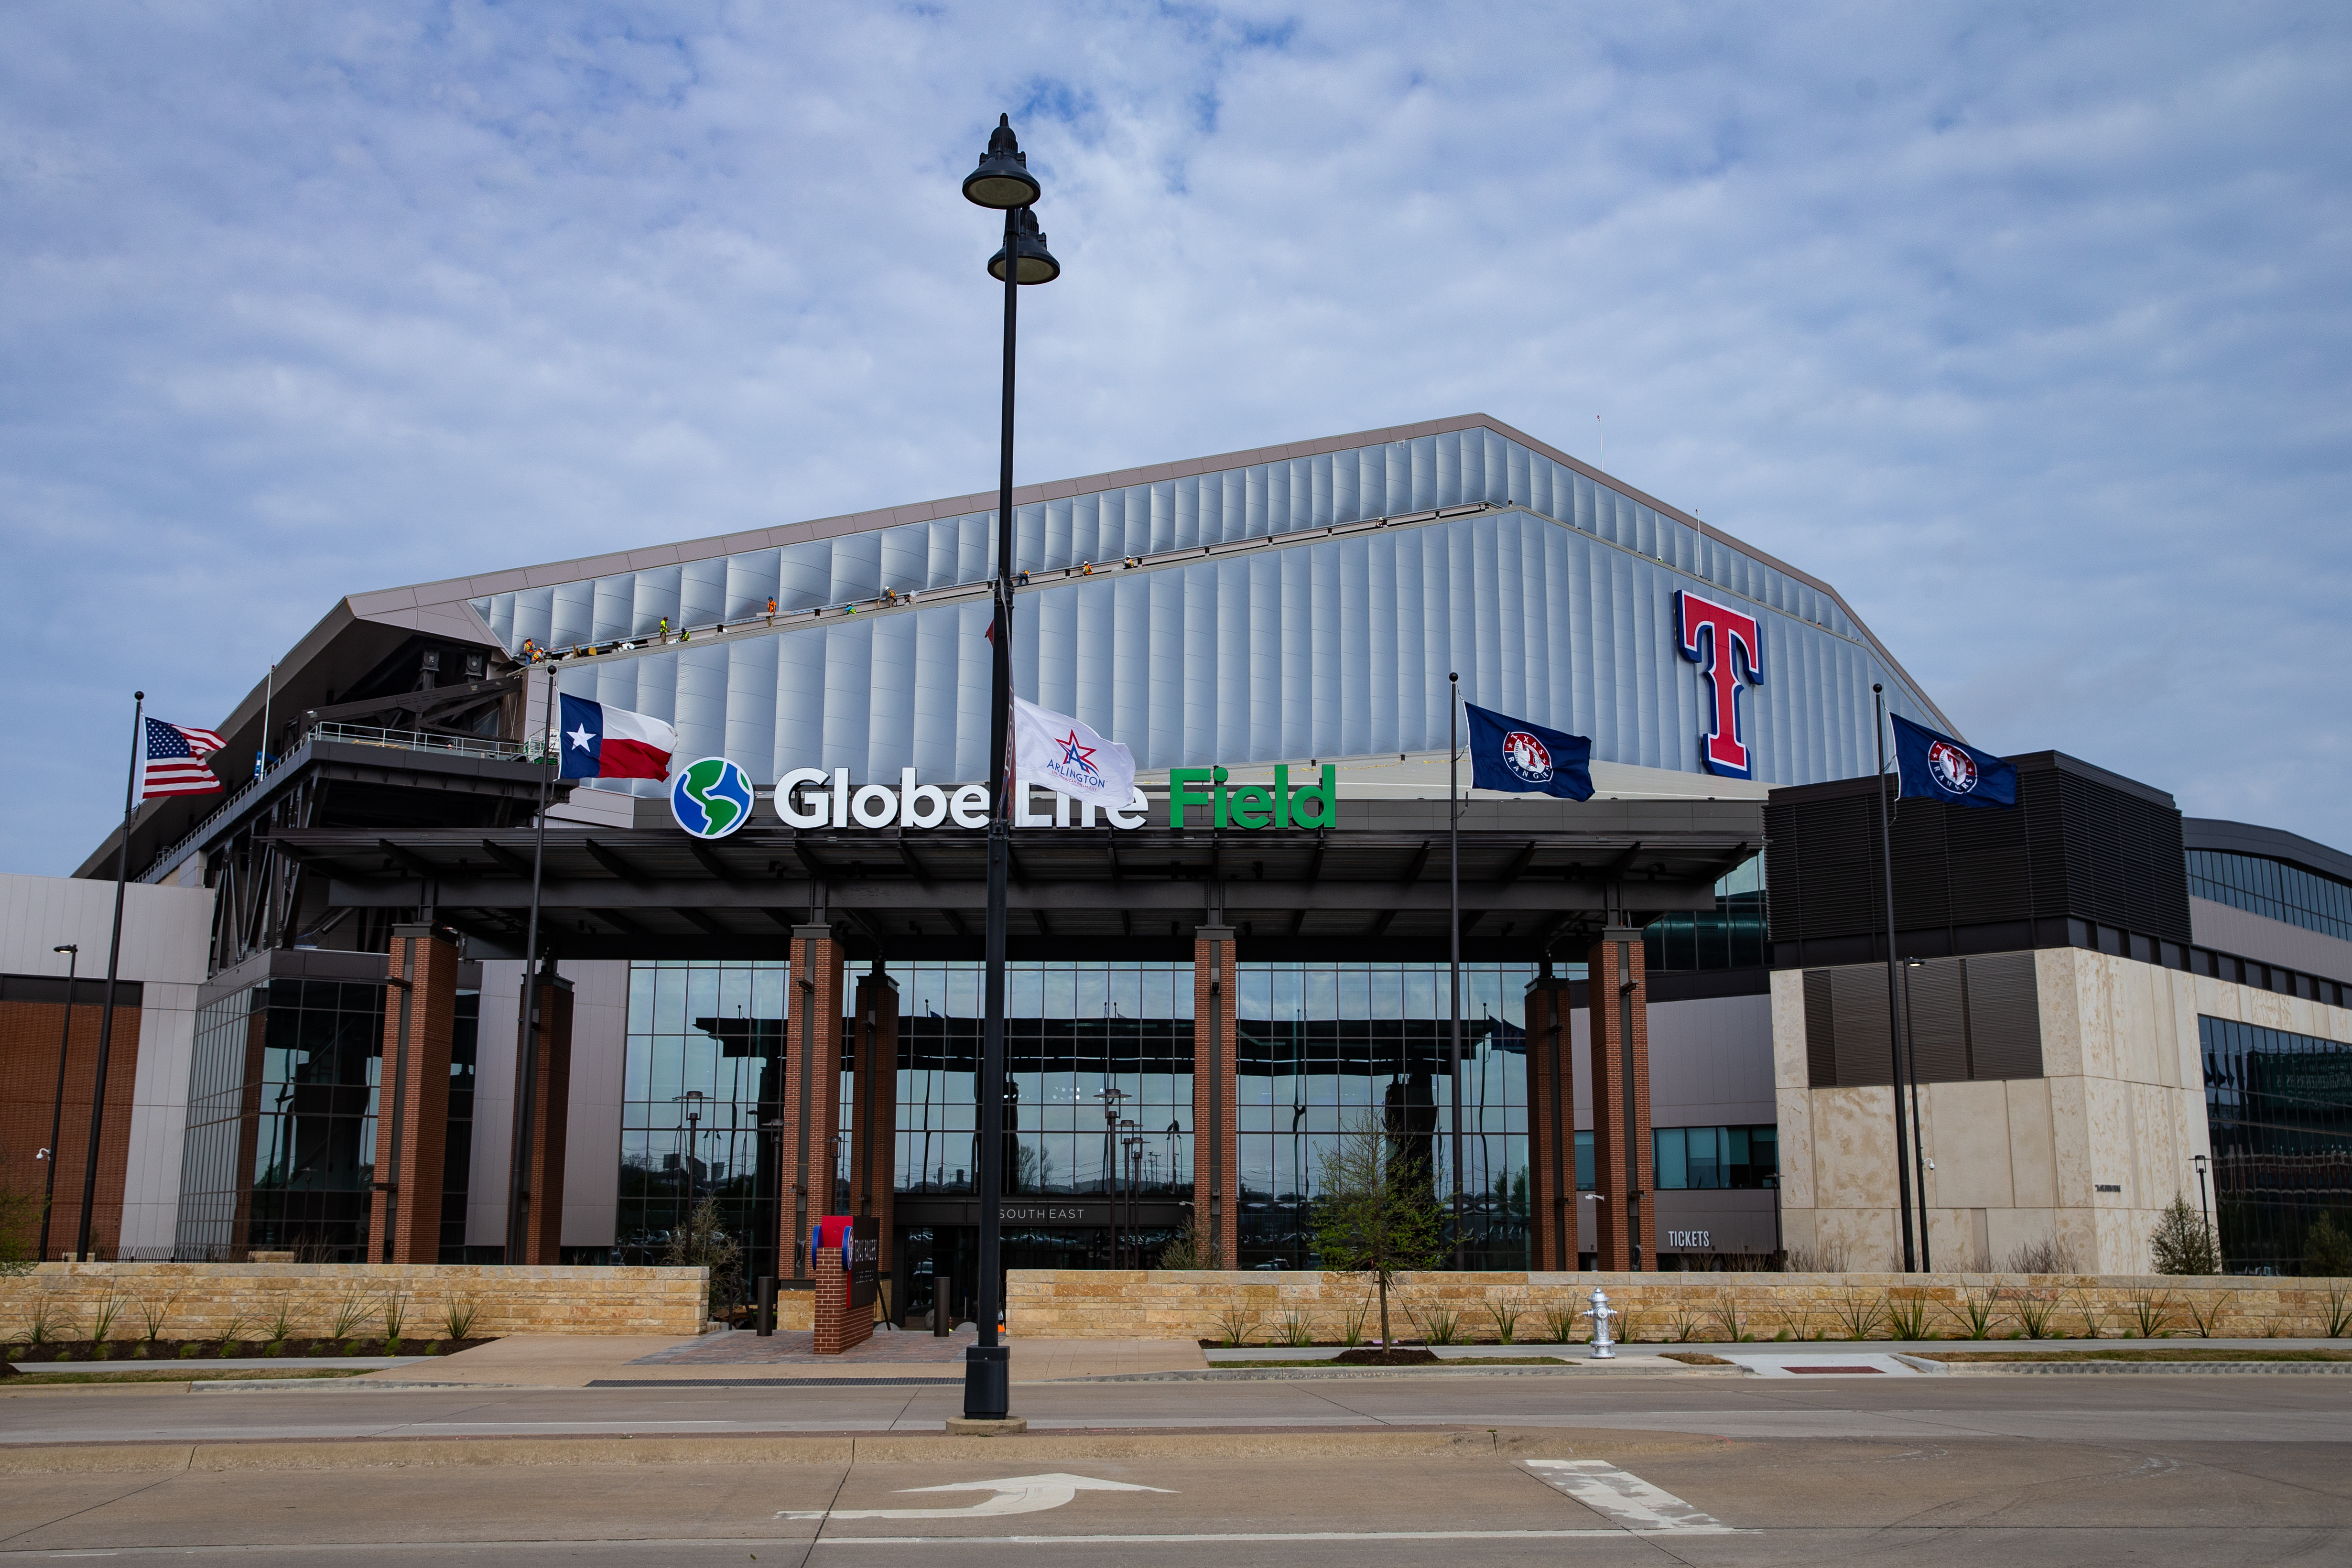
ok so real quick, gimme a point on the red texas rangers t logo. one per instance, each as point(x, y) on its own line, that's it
point(1955, 769)
point(1527, 756)
point(1724, 644)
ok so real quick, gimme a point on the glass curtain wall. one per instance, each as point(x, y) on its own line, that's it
point(701, 1078)
point(2279, 1110)
point(1732, 936)
point(1328, 1048)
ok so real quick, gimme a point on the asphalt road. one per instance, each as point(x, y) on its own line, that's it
point(2204, 1469)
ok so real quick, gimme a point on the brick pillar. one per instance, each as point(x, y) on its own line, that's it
point(1625, 1219)
point(874, 1107)
point(412, 1104)
point(1216, 1152)
point(838, 1326)
point(550, 1115)
point(1551, 1125)
point(812, 1098)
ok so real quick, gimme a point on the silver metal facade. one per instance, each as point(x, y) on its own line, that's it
point(1556, 604)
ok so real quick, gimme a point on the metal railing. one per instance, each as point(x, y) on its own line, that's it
point(426, 740)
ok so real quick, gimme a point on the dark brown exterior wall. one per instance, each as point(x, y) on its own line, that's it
point(1620, 1153)
point(874, 1113)
point(1217, 1151)
point(812, 1098)
point(28, 1084)
point(404, 1225)
point(550, 1117)
point(1552, 1127)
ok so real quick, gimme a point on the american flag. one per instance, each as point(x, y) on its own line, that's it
point(175, 761)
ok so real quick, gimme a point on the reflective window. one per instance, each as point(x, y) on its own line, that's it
point(1713, 1158)
point(2279, 1109)
point(2274, 888)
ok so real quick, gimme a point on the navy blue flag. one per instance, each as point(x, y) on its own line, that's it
point(1938, 767)
point(1510, 754)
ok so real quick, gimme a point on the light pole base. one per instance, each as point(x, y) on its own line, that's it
point(959, 1427)
point(987, 1385)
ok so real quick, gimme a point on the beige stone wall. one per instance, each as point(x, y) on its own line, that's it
point(1163, 1304)
point(204, 1298)
point(2121, 1104)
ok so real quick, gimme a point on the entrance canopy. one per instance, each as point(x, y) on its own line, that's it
point(1537, 877)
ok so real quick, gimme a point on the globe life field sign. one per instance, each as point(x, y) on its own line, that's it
point(713, 797)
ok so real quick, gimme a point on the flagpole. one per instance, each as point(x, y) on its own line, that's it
point(1893, 978)
point(113, 966)
point(519, 1195)
point(1453, 929)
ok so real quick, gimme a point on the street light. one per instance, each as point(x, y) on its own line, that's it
point(693, 1098)
point(2206, 1215)
point(72, 950)
point(1002, 182)
point(1919, 1147)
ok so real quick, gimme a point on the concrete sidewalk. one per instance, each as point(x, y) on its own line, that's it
point(576, 1361)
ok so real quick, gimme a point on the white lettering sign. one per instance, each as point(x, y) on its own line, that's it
point(1687, 1239)
point(811, 798)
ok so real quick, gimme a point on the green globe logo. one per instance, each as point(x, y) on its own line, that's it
point(711, 799)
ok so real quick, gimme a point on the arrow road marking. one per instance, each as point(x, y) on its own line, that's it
point(1013, 1494)
point(1629, 1500)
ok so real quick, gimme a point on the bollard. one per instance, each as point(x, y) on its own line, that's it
point(942, 1305)
point(765, 1314)
point(1601, 1313)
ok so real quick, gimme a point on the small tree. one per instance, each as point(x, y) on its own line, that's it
point(703, 1242)
point(1378, 1213)
point(2327, 1250)
point(2181, 1244)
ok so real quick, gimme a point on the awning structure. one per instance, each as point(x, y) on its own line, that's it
point(1536, 878)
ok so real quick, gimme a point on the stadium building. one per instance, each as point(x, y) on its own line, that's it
point(317, 1046)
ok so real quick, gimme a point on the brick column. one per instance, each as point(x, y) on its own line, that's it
point(839, 1326)
point(873, 1105)
point(1216, 1152)
point(1551, 1125)
point(812, 1099)
point(550, 1115)
point(420, 1012)
point(1625, 1219)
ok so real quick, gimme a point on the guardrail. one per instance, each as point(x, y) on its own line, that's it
point(424, 740)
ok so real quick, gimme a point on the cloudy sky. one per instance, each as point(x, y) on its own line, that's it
point(2024, 325)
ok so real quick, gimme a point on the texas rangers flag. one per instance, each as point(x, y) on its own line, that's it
point(600, 742)
point(1507, 753)
point(1938, 767)
point(1059, 752)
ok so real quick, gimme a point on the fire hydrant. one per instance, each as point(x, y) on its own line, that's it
point(1601, 1312)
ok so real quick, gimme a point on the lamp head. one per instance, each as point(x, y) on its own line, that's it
point(1037, 263)
point(1003, 179)
point(66, 948)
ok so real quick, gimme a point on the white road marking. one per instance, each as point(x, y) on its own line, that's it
point(1803, 1363)
point(1013, 1494)
point(1629, 1500)
point(1227, 1536)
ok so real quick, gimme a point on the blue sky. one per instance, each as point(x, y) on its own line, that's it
point(2026, 326)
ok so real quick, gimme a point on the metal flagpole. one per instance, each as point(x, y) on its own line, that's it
point(113, 965)
point(1893, 978)
point(1918, 1143)
point(519, 1195)
point(987, 1373)
point(1454, 927)
point(58, 1107)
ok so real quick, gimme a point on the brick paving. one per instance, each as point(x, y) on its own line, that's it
point(797, 1347)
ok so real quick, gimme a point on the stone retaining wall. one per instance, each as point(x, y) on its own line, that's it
point(205, 1300)
point(1169, 1304)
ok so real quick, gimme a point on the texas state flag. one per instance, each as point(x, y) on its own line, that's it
point(600, 742)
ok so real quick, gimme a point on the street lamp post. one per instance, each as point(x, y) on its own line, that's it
point(72, 950)
point(2204, 1214)
point(693, 1098)
point(1918, 1144)
point(1003, 183)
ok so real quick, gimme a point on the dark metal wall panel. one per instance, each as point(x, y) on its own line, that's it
point(1858, 1006)
point(1820, 1032)
point(1939, 1023)
point(2004, 1017)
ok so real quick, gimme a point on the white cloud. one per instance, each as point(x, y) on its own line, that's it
point(2023, 325)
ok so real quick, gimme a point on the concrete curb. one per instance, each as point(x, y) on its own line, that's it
point(738, 1450)
point(2143, 1368)
point(1241, 1374)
